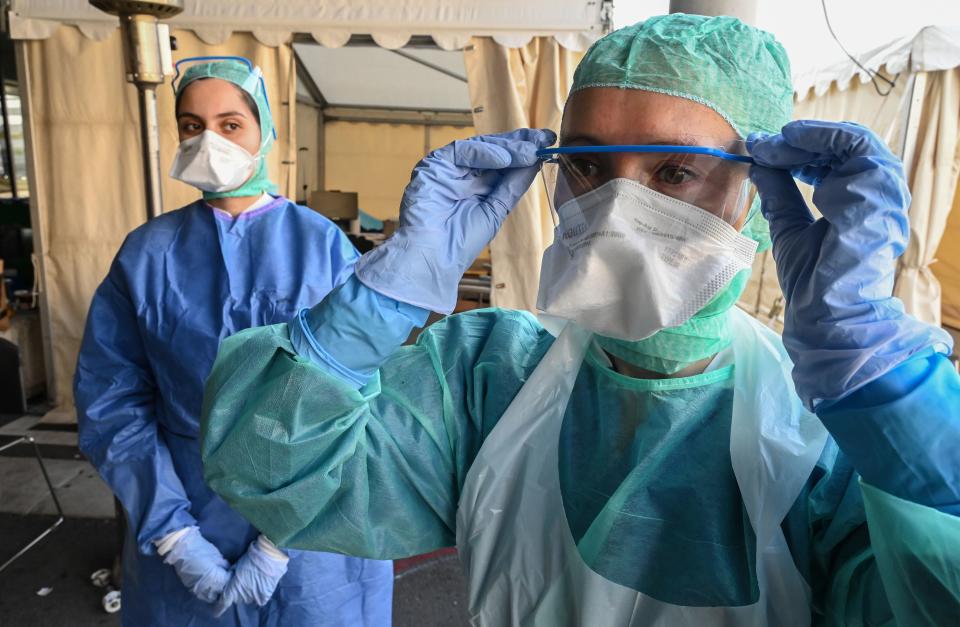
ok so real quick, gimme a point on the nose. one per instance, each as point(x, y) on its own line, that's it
point(627, 165)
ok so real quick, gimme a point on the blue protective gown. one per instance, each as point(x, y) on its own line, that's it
point(376, 470)
point(179, 285)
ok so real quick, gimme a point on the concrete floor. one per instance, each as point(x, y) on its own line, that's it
point(429, 592)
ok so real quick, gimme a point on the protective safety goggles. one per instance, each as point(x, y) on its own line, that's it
point(253, 82)
point(710, 175)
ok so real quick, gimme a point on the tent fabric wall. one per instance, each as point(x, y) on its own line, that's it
point(859, 103)
point(933, 182)
point(87, 188)
point(509, 89)
point(375, 160)
point(947, 266)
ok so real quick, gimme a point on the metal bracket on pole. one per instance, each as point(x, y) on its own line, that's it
point(606, 17)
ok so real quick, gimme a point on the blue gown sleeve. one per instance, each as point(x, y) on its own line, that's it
point(902, 431)
point(371, 469)
point(884, 549)
point(353, 331)
point(115, 397)
point(344, 258)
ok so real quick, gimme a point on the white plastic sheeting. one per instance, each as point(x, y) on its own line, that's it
point(512, 23)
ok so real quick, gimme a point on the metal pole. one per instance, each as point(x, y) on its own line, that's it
point(745, 10)
point(7, 142)
point(911, 126)
point(908, 145)
point(150, 144)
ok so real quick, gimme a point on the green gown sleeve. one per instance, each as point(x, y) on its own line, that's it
point(917, 552)
point(884, 549)
point(316, 464)
point(900, 568)
point(827, 533)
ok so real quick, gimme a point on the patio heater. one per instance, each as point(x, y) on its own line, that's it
point(146, 54)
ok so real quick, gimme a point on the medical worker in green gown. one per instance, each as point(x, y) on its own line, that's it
point(642, 453)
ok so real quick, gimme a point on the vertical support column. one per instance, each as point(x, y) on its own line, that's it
point(150, 145)
point(321, 151)
point(7, 142)
point(745, 10)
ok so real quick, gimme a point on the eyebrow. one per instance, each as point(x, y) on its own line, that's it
point(225, 114)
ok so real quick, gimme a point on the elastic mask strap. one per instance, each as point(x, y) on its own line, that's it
point(741, 205)
point(546, 188)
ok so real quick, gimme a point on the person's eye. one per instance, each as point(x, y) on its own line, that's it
point(190, 127)
point(581, 168)
point(675, 174)
point(232, 126)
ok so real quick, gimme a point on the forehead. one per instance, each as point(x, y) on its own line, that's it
point(211, 92)
point(609, 115)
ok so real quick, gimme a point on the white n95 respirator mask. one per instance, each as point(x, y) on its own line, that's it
point(212, 163)
point(628, 261)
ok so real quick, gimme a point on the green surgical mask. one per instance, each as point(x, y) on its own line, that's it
point(256, 185)
point(671, 350)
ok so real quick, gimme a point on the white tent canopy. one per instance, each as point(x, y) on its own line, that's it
point(876, 32)
point(933, 48)
point(369, 76)
point(451, 23)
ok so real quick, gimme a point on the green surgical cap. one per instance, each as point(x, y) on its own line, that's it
point(739, 71)
point(239, 74)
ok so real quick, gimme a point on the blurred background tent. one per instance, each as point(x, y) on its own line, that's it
point(362, 89)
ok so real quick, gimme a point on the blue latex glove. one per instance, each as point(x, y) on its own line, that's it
point(455, 203)
point(255, 577)
point(843, 328)
point(199, 565)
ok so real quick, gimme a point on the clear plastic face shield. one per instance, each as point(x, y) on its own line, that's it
point(709, 174)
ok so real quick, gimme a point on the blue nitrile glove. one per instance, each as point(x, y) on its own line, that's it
point(843, 328)
point(456, 201)
point(199, 565)
point(255, 577)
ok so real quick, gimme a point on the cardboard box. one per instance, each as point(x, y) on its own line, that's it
point(335, 205)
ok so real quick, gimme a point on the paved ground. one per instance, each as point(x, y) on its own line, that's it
point(429, 592)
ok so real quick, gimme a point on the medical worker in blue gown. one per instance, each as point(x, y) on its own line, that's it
point(240, 257)
point(644, 453)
